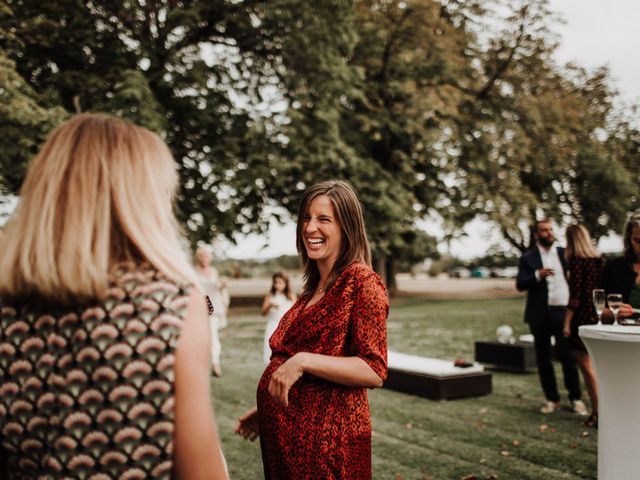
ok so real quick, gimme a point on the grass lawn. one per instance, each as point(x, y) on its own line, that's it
point(499, 436)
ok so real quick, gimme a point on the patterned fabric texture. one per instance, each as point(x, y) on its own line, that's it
point(325, 431)
point(88, 393)
point(585, 274)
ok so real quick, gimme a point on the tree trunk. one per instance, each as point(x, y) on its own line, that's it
point(379, 265)
point(390, 275)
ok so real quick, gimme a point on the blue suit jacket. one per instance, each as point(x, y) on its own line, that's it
point(537, 292)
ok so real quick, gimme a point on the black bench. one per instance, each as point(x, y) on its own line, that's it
point(518, 357)
point(436, 379)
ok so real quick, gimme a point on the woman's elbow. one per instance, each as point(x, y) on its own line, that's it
point(366, 376)
point(374, 381)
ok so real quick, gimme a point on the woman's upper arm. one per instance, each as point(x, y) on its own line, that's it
point(197, 451)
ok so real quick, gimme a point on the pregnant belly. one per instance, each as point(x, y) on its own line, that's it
point(308, 394)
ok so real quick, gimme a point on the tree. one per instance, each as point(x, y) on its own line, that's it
point(406, 52)
point(532, 141)
point(201, 73)
point(416, 245)
point(412, 101)
point(424, 115)
point(24, 123)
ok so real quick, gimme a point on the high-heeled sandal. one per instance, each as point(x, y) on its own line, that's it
point(592, 421)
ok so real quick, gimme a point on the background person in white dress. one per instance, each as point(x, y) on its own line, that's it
point(276, 303)
point(211, 285)
point(226, 301)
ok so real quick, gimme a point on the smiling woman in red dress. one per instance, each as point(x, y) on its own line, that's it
point(313, 412)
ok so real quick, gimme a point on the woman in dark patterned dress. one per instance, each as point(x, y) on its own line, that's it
point(104, 356)
point(313, 414)
point(585, 274)
point(622, 275)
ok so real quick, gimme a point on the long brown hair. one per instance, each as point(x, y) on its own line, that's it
point(99, 192)
point(354, 247)
point(632, 221)
point(285, 278)
point(579, 243)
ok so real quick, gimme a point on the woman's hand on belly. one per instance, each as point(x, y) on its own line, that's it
point(284, 377)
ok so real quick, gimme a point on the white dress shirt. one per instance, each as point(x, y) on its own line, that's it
point(557, 285)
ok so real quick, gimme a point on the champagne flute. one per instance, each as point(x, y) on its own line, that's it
point(615, 302)
point(599, 301)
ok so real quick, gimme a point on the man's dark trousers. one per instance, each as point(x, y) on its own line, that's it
point(552, 325)
point(544, 322)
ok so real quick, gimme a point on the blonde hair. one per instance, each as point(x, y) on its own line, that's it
point(579, 243)
point(200, 250)
point(99, 192)
point(355, 245)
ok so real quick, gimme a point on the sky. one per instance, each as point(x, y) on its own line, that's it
point(596, 33)
point(603, 32)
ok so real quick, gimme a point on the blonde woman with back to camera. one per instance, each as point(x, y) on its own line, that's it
point(104, 342)
point(585, 274)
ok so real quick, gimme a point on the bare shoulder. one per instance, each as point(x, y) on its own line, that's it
point(194, 339)
point(197, 309)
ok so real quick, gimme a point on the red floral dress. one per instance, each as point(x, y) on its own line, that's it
point(325, 432)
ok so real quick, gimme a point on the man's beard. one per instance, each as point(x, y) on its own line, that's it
point(546, 242)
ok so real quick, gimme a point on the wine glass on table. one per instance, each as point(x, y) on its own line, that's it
point(599, 301)
point(615, 302)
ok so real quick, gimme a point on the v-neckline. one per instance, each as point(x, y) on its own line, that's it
point(326, 293)
point(307, 306)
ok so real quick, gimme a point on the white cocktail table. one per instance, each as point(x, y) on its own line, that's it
point(615, 351)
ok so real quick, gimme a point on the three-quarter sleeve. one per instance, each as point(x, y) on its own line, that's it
point(368, 323)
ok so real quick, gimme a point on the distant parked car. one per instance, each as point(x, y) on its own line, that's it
point(459, 272)
point(480, 272)
point(506, 272)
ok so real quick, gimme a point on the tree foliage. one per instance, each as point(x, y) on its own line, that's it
point(483, 122)
point(537, 139)
point(25, 119)
point(186, 69)
point(447, 108)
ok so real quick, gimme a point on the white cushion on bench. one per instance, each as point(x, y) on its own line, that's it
point(429, 366)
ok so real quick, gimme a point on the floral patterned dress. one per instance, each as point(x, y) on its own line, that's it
point(325, 431)
point(585, 274)
point(87, 393)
